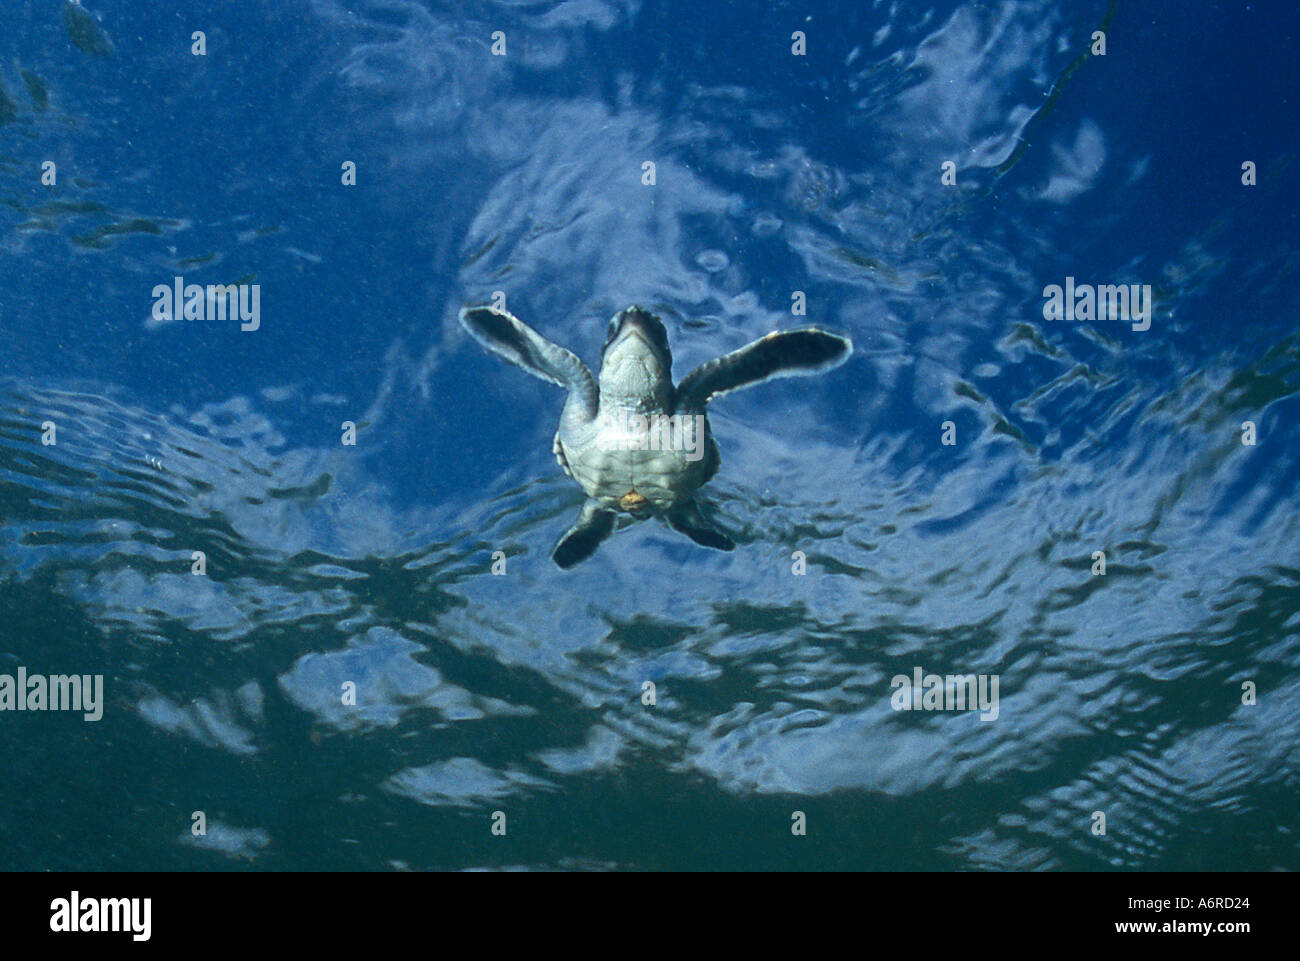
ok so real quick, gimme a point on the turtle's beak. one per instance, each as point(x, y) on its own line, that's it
point(634, 330)
point(635, 322)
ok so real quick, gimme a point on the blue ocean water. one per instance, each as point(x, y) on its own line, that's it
point(1148, 716)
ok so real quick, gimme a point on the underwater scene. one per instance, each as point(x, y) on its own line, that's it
point(644, 436)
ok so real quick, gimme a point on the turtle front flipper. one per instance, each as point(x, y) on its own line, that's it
point(785, 353)
point(595, 523)
point(687, 519)
point(507, 336)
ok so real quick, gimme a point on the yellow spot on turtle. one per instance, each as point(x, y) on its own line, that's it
point(633, 502)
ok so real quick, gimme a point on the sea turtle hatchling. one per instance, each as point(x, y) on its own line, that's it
point(635, 443)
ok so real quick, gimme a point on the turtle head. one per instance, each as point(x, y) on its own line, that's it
point(636, 364)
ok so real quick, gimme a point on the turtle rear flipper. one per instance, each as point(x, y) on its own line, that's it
point(687, 519)
point(595, 523)
point(781, 354)
point(509, 337)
